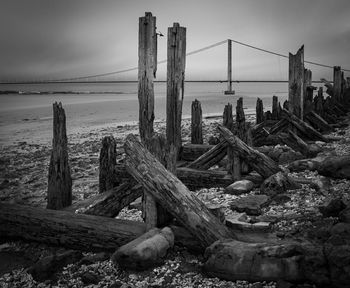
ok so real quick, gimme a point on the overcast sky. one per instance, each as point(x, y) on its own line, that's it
point(47, 39)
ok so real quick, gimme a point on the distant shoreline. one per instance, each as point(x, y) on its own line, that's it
point(19, 92)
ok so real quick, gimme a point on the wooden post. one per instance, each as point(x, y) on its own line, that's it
point(196, 123)
point(318, 103)
point(259, 111)
point(337, 83)
point(347, 82)
point(229, 69)
point(147, 71)
point(275, 108)
point(228, 117)
point(175, 90)
point(108, 157)
point(59, 192)
point(296, 83)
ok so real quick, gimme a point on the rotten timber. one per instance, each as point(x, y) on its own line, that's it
point(172, 194)
point(261, 163)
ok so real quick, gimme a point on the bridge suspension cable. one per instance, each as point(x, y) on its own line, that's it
point(189, 54)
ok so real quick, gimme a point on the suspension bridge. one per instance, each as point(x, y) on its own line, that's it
point(103, 77)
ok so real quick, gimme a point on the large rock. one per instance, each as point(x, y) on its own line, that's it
point(146, 251)
point(46, 267)
point(251, 204)
point(239, 223)
point(336, 167)
point(337, 252)
point(344, 216)
point(240, 187)
point(277, 184)
point(234, 260)
point(332, 208)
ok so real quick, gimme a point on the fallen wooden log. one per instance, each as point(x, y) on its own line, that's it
point(192, 178)
point(195, 179)
point(190, 152)
point(318, 122)
point(261, 163)
point(172, 194)
point(296, 143)
point(211, 157)
point(303, 127)
point(109, 203)
point(63, 228)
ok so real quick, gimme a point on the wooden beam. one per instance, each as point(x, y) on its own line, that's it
point(172, 194)
point(259, 111)
point(261, 163)
point(337, 83)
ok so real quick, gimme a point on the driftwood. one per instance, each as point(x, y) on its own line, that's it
point(109, 203)
point(172, 194)
point(211, 157)
point(261, 163)
point(318, 122)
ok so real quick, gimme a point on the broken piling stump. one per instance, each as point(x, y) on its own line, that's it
point(59, 192)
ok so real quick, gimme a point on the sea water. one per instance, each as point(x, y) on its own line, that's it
point(28, 116)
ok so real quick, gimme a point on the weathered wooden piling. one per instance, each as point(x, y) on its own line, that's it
point(296, 83)
point(196, 123)
point(275, 108)
point(147, 67)
point(228, 117)
point(175, 89)
point(308, 91)
point(259, 111)
point(59, 192)
point(337, 83)
point(108, 158)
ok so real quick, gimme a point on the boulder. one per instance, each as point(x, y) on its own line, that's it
point(146, 251)
point(234, 260)
point(344, 216)
point(289, 156)
point(47, 267)
point(239, 187)
point(278, 183)
point(332, 208)
point(251, 204)
point(336, 167)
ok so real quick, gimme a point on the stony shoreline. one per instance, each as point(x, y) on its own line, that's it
point(24, 181)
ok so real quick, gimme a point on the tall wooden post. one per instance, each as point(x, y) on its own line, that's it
point(108, 157)
point(196, 123)
point(296, 83)
point(147, 72)
point(229, 68)
point(337, 83)
point(59, 192)
point(175, 90)
point(259, 111)
point(347, 82)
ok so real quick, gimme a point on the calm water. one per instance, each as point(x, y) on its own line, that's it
point(29, 117)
